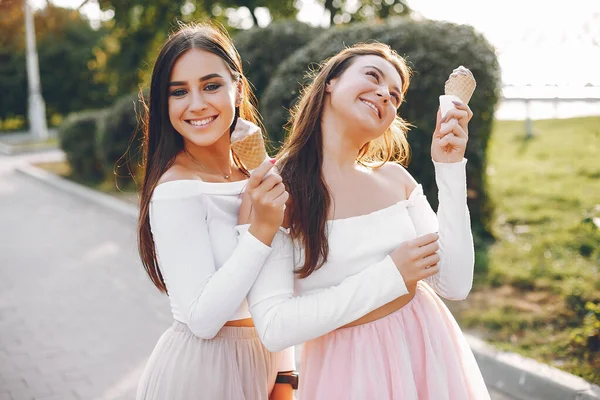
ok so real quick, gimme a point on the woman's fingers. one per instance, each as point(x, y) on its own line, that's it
point(429, 249)
point(258, 174)
point(430, 260)
point(425, 239)
point(281, 199)
point(453, 141)
point(453, 126)
point(457, 114)
point(427, 272)
point(464, 107)
point(265, 186)
point(275, 192)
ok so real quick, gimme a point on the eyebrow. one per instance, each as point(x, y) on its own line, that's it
point(383, 75)
point(202, 79)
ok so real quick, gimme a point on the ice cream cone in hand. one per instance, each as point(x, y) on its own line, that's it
point(459, 87)
point(248, 144)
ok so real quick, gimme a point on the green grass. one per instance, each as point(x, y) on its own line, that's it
point(541, 294)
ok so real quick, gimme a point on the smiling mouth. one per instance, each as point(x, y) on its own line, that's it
point(372, 106)
point(199, 123)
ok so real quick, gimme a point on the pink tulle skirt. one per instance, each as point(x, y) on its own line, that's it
point(415, 353)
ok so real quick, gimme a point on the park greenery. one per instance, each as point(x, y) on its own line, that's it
point(541, 293)
point(535, 217)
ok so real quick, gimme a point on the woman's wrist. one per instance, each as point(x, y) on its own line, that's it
point(289, 377)
point(263, 232)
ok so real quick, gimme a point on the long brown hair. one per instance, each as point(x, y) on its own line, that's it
point(301, 157)
point(161, 141)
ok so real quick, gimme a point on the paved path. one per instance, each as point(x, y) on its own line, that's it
point(78, 317)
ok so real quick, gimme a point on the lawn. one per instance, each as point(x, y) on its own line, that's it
point(541, 294)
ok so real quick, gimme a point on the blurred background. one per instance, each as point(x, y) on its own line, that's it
point(78, 317)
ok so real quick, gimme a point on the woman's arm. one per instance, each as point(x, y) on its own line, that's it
point(453, 224)
point(284, 320)
point(204, 298)
point(457, 256)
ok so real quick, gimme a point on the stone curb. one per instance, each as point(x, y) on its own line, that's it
point(10, 144)
point(526, 379)
point(81, 191)
point(516, 376)
point(13, 150)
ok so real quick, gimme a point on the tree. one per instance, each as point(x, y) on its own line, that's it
point(278, 9)
point(138, 28)
point(13, 74)
point(344, 11)
point(66, 47)
point(66, 43)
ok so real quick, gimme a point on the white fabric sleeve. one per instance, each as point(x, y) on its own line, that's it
point(287, 360)
point(453, 223)
point(284, 320)
point(204, 297)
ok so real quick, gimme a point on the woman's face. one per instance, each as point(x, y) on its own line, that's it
point(202, 96)
point(366, 96)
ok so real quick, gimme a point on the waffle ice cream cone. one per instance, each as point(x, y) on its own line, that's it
point(459, 87)
point(248, 144)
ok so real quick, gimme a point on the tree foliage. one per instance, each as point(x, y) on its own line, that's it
point(138, 27)
point(66, 44)
point(345, 11)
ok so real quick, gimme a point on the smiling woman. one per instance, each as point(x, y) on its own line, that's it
point(212, 351)
point(203, 94)
point(357, 275)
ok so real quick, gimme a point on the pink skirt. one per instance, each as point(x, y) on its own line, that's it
point(417, 352)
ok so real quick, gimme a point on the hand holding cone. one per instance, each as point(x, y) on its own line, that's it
point(459, 87)
point(248, 144)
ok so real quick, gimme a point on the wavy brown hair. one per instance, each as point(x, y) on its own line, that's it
point(161, 142)
point(301, 157)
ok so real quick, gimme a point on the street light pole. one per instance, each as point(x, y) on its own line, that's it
point(37, 107)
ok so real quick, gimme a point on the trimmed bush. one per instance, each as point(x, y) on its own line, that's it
point(263, 49)
point(119, 150)
point(78, 136)
point(432, 49)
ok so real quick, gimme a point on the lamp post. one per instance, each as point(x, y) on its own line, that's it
point(37, 107)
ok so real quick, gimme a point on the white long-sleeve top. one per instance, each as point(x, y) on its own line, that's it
point(206, 268)
point(359, 275)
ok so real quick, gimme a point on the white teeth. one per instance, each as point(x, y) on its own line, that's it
point(372, 106)
point(201, 122)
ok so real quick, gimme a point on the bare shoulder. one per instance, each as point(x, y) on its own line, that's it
point(395, 174)
point(177, 172)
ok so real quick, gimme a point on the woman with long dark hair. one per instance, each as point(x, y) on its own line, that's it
point(353, 211)
point(190, 199)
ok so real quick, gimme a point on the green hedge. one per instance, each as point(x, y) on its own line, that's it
point(100, 145)
point(78, 136)
point(433, 49)
point(119, 150)
point(263, 49)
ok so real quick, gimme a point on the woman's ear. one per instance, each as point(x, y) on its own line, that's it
point(239, 93)
point(329, 85)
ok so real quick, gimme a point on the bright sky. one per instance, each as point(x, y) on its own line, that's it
point(537, 43)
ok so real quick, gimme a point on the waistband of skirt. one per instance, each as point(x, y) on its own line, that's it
point(234, 332)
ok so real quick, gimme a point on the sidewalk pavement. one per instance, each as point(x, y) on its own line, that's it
point(78, 316)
